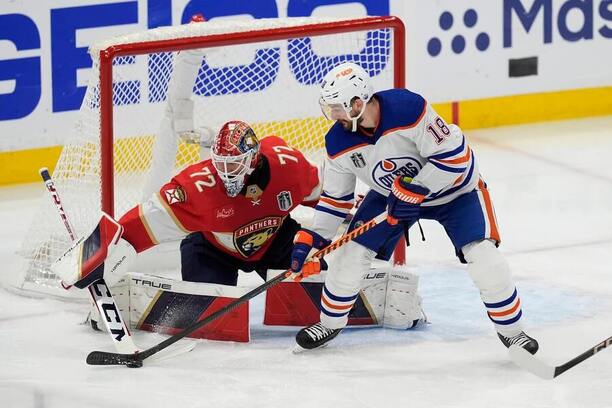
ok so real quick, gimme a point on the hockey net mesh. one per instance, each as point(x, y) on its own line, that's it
point(273, 85)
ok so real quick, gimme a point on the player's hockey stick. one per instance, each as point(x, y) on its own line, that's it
point(134, 360)
point(100, 293)
point(524, 359)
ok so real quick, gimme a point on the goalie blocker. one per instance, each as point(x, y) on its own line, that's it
point(102, 254)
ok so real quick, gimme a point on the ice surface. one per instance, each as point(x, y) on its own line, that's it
point(552, 187)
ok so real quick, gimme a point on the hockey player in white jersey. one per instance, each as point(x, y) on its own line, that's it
point(417, 167)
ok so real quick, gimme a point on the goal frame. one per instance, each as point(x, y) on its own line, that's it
point(108, 54)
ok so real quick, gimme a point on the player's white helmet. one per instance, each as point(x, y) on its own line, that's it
point(340, 86)
point(235, 152)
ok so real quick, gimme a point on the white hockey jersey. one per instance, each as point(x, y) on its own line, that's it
point(410, 139)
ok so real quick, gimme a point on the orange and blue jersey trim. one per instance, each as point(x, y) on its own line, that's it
point(454, 161)
point(337, 206)
point(348, 149)
point(457, 185)
point(491, 228)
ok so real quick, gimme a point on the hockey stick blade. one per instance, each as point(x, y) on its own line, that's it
point(134, 360)
point(104, 358)
point(527, 361)
point(522, 358)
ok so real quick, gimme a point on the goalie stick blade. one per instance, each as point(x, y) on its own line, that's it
point(527, 361)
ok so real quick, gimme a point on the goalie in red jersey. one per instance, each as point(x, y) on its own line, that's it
point(232, 211)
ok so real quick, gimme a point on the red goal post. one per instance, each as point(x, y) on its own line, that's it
point(127, 137)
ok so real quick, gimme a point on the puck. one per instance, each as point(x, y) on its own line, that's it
point(134, 364)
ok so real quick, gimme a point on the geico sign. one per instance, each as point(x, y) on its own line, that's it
point(25, 77)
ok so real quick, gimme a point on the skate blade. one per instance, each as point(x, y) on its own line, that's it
point(299, 349)
point(87, 319)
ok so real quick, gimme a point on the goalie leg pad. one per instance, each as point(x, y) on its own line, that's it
point(293, 303)
point(491, 274)
point(403, 306)
point(373, 294)
point(167, 306)
point(102, 254)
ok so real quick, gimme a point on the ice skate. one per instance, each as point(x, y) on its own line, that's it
point(314, 336)
point(523, 340)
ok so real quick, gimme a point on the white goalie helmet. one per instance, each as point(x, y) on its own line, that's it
point(339, 87)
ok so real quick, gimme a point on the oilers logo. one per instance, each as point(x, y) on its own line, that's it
point(387, 170)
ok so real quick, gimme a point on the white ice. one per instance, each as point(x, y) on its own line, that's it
point(552, 187)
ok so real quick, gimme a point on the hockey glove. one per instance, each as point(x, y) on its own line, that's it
point(303, 243)
point(101, 255)
point(404, 202)
point(312, 267)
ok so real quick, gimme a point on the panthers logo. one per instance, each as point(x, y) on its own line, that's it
point(249, 238)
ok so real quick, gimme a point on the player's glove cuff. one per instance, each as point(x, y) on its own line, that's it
point(405, 191)
point(303, 243)
point(311, 239)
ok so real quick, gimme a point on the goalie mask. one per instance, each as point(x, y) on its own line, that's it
point(340, 87)
point(235, 152)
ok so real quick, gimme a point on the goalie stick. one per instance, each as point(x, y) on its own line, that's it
point(135, 360)
point(100, 293)
point(524, 359)
point(102, 297)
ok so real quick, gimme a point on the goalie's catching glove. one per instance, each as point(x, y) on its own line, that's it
point(101, 255)
point(404, 202)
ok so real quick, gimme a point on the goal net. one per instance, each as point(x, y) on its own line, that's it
point(156, 97)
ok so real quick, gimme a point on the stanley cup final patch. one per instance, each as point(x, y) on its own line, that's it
point(358, 160)
point(175, 195)
point(284, 200)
